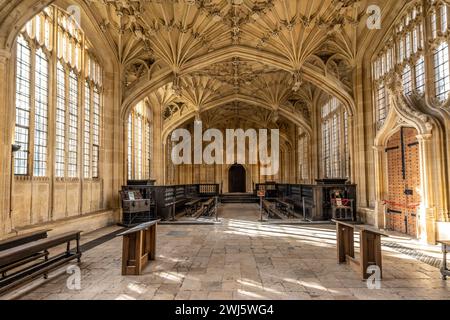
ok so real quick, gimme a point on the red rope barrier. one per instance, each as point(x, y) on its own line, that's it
point(401, 205)
point(344, 202)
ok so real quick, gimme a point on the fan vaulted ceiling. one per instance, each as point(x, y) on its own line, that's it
point(255, 49)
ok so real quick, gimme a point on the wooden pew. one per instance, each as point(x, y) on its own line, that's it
point(208, 206)
point(192, 207)
point(139, 246)
point(285, 207)
point(23, 239)
point(370, 246)
point(16, 263)
point(269, 208)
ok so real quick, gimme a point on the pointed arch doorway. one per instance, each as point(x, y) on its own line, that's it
point(403, 177)
point(236, 179)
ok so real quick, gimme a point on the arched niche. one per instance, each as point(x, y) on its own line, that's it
point(406, 112)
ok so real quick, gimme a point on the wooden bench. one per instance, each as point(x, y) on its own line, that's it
point(22, 239)
point(192, 206)
point(285, 208)
point(208, 206)
point(269, 208)
point(22, 263)
point(139, 246)
point(445, 249)
point(370, 246)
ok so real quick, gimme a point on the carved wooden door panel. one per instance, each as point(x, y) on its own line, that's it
point(236, 179)
point(403, 170)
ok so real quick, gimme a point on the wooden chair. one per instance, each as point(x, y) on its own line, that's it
point(342, 209)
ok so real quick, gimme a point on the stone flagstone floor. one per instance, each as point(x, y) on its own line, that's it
point(241, 259)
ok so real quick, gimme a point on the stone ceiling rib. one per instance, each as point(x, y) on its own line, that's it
point(200, 39)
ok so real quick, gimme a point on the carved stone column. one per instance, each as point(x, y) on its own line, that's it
point(379, 187)
point(427, 210)
point(158, 171)
point(5, 142)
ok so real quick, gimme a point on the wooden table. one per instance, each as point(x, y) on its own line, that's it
point(370, 246)
point(139, 246)
point(445, 249)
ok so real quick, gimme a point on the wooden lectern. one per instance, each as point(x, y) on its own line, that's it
point(370, 246)
point(139, 246)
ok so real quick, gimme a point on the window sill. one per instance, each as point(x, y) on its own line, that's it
point(67, 179)
point(31, 178)
point(92, 180)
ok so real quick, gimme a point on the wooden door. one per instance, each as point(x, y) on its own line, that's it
point(236, 179)
point(403, 172)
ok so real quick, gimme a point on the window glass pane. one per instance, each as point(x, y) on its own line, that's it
point(433, 25)
point(326, 149)
point(408, 45)
point(415, 40)
point(41, 115)
point(441, 72)
point(346, 149)
point(87, 130)
point(73, 126)
point(443, 12)
point(32, 103)
point(147, 146)
point(407, 80)
point(303, 158)
point(420, 75)
point(23, 71)
point(60, 121)
point(95, 159)
point(96, 134)
point(381, 105)
point(130, 147)
point(139, 143)
point(333, 143)
point(138, 147)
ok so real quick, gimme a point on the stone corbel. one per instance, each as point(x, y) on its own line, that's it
point(197, 117)
point(275, 115)
point(297, 81)
point(176, 85)
point(379, 204)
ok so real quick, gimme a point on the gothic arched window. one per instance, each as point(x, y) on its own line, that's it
point(76, 90)
point(335, 139)
point(139, 142)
